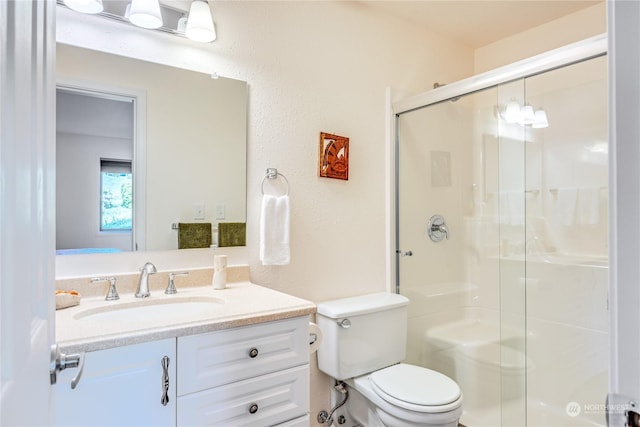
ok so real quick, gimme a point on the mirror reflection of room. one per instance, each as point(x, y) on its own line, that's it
point(186, 138)
point(94, 154)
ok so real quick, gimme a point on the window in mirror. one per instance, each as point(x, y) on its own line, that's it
point(116, 188)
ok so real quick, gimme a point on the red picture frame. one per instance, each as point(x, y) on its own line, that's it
point(333, 159)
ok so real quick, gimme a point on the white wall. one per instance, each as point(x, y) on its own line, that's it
point(311, 67)
point(78, 190)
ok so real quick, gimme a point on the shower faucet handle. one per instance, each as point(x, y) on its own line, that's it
point(437, 228)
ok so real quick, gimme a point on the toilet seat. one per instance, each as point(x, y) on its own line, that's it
point(416, 388)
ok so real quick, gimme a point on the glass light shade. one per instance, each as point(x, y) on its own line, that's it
point(540, 120)
point(200, 24)
point(182, 25)
point(512, 113)
point(145, 13)
point(85, 6)
point(528, 116)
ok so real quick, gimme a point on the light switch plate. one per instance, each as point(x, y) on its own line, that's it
point(220, 211)
point(198, 211)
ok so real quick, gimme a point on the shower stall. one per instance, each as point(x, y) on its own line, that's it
point(501, 185)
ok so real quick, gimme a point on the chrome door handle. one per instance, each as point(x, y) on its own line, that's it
point(61, 361)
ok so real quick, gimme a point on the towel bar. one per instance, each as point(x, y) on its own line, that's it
point(272, 173)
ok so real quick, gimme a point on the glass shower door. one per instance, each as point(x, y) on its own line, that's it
point(567, 247)
point(448, 164)
point(510, 301)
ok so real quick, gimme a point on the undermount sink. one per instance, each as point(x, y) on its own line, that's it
point(169, 309)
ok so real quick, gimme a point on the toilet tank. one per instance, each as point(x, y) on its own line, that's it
point(362, 334)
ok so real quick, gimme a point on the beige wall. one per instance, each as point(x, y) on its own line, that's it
point(578, 26)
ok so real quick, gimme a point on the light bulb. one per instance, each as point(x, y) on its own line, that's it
point(85, 6)
point(540, 120)
point(512, 113)
point(200, 24)
point(528, 115)
point(145, 13)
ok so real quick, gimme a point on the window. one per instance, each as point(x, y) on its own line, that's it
point(116, 200)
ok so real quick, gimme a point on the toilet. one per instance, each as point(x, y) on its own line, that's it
point(364, 341)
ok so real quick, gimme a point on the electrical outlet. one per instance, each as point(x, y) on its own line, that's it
point(198, 211)
point(220, 211)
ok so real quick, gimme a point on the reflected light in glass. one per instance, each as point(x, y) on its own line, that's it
point(85, 6)
point(512, 113)
point(145, 13)
point(200, 24)
point(528, 116)
point(540, 120)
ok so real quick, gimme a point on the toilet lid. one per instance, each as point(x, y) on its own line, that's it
point(414, 385)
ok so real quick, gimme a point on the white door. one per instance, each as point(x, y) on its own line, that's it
point(624, 99)
point(27, 209)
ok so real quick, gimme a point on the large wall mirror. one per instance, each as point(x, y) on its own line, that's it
point(166, 143)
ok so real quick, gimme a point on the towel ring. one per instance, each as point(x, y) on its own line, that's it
point(272, 173)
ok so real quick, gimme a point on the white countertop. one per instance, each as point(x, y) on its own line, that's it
point(240, 304)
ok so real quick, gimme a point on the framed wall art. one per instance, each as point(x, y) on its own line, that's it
point(333, 161)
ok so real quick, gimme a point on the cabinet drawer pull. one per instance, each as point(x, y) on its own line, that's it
point(165, 381)
point(253, 352)
point(253, 408)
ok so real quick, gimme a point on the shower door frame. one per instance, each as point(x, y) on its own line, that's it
point(589, 48)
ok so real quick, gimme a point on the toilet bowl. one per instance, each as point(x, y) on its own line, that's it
point(365, 341)
point(406, 395)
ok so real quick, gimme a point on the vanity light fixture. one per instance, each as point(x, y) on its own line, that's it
point(185, 18)
point(200, 24)
point(145, 13)
point(85, 6)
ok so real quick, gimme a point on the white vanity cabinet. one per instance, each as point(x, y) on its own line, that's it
point(121, 386)
point(248, 376)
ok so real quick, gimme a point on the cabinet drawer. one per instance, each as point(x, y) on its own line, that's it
point(256, 402)
point(223, 357)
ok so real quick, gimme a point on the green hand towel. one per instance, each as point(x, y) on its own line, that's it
point(232, 234)
point(194, 235)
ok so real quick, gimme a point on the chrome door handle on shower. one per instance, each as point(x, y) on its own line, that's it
point(437, 228)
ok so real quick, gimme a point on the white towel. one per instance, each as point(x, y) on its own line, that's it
point(588, 211)
point(566, 205)
point(512, 207)
point(274, 230)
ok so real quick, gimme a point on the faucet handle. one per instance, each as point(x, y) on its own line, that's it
point(112, 294)
point(171, 287)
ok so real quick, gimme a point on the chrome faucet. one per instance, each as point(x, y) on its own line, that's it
point(143, 283)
